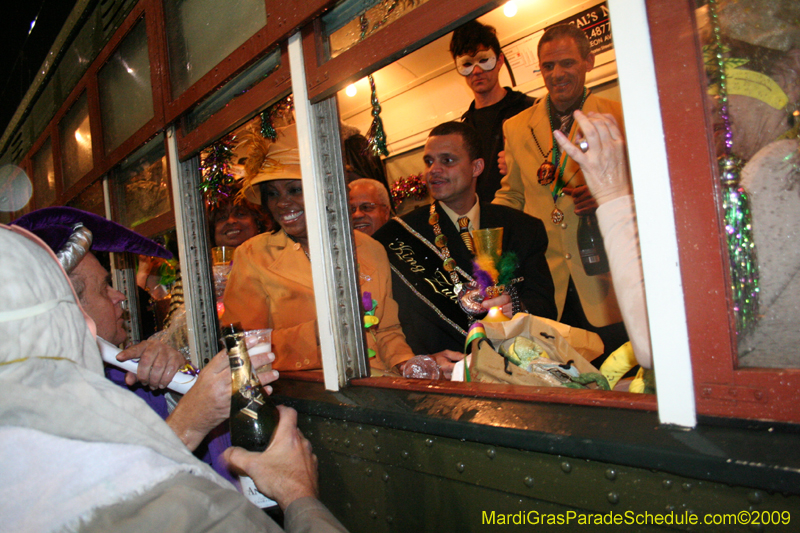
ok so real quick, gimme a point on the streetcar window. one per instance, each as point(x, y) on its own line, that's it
point(44, 175)
point(76, 142)
point(125, 79)
point(203, 32)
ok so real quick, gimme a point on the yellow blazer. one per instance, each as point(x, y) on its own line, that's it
point(270, 287)
point(520, 189)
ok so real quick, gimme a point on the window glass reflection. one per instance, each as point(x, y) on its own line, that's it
point(752, 59)
point(126, 97)
point(76, 142)
point(44, 175)
point(92, 199)
point(203, 32)
point(143, 179)
point(354, 20)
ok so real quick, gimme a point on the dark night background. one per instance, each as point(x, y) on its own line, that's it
point(21, 54)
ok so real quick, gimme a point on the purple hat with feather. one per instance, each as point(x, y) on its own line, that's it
point(70, 233)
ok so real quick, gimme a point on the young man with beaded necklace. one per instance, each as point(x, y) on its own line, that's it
point(425, 284)
point(544, 182)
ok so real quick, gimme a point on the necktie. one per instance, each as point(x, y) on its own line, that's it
point(463, 225)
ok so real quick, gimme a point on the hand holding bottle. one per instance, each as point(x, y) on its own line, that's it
point(585, 203)
point(208, 403)
point(287, 470)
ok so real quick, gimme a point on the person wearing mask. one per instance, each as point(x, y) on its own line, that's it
point(476, 53)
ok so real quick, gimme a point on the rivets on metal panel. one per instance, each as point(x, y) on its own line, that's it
point(385, 477)
point(368, 471)
point(667, 484)
point(755, 497)
point(347, 443)
point(611, 474)
point(373, 513)
point(429, 442)
point(566, 467)
point(460, 467)
point(687, 487)
point(377, 448)
point(404, 454)
point(491, 453)
point(613, 498)
point(375, 431)
point(389, 519)
point(528, 481)
point(360, 445)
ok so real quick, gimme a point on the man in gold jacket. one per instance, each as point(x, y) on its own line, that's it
point(547, 184)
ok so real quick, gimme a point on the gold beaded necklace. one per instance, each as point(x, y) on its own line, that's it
point(440, 241)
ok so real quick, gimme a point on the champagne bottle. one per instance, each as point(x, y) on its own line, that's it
point(253, 415)
point(590, 245)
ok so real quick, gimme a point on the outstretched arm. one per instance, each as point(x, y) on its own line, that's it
point(605, 168)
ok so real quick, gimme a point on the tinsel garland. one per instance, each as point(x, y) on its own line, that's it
point(217, 183)
point(376, 137)
point(279, 110)
point(413, 187)
point(736, 206)
point(387, 8)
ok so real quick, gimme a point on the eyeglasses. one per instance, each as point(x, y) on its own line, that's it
point(367, 207)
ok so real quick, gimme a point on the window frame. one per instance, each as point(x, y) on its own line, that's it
point(282, 18)
point(721, 389)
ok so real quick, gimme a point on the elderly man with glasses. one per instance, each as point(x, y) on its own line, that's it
point(369, 205)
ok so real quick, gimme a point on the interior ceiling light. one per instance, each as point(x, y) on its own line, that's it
point(510, 9)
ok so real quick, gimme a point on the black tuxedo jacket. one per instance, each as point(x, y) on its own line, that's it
point(523, 234)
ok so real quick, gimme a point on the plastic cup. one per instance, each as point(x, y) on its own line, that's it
point(259, 341)
point(422, 367)
point(222, 255)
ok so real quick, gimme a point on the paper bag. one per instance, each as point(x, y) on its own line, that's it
point(489, 366)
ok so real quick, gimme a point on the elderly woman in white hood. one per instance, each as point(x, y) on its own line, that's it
point(82, 453)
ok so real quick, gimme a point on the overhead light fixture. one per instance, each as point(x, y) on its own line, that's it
point(510, 9)
point(351, 90)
